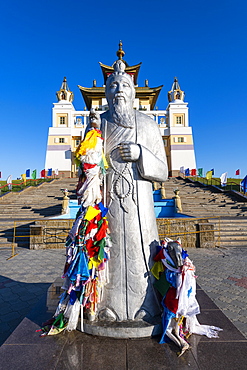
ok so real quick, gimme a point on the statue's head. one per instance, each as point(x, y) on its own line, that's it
point(120, 95)
point(175, 250)
point(120, 86)
point(94, 118)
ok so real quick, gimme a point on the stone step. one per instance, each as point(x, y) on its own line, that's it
point(6, 244)
point(231, 237)
point(28, 209)
point(18, 233)
point(233, 243)
point(237, 230)
point(5, 239)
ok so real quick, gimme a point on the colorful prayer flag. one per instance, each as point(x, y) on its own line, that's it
point(223, 179)
point(42, 173)
point(187, 172)
point(212, 171)
point(182, 169)
point(209, 175)
point(193, 172)
point(244, 184)
point(200, 172)
point(9, 182)
point(49, 173)
point(34, 174)
point(0, 174)
point(24, 178)
point(56, 171)
point(28, 173)
point(237, 172)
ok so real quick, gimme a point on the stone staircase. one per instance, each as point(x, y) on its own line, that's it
point(45, 201)
point(201, 201)
point(23, 208)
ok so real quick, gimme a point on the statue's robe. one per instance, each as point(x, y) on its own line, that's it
point(131, 218)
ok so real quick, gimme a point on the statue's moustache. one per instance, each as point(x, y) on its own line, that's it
point(119, 96)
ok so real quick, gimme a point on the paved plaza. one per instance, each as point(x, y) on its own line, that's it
point(221, 272)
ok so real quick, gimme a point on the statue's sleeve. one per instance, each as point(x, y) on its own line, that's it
point(152, 164)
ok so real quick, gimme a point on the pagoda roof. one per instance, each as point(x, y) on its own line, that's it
point(91, 93)
point(132, 70)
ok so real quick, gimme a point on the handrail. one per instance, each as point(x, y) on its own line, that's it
point(13, 243)
point(19, 184)
point(231, 185)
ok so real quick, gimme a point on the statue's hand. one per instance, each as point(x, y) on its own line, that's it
point(130, 152)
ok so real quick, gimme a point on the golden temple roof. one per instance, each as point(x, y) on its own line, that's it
point(145, 93)
point(91, 93)
point(132, 70)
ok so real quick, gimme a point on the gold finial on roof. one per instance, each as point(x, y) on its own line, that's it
point(120, 52)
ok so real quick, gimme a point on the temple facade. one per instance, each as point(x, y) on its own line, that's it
point(68, 124)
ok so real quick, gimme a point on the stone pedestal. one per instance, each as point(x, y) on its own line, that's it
point(36, 236)
point(123, 329)
point(206, 235)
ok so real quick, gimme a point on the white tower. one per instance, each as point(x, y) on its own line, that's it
point(178, 135)
point(60, 137)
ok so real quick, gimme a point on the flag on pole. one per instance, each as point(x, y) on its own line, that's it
point(200, 172)
point(182, 169)
point(212, 171)
point(244, 184)
point(187, 172)
point(9, 182)
point(223, 179)
point(34, 174)
point(28, 173)
point(193, 172)
point(24, 178)
point(237, 172)
point(56, 171)
point(0, 174)
point(49, 173)
point(42, 173)
point(209, 175)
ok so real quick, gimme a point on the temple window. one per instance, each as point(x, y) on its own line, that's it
point(61, 140)
point(62, 120)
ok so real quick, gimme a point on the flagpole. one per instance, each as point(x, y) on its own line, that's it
point(104, 180)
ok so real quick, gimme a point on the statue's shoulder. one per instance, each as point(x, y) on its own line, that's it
point(144, 119)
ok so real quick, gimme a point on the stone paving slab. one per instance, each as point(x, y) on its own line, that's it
point(24, 349)
point(24, 279)
point(221, 274)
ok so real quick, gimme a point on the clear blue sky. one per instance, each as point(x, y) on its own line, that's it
point(201, 42)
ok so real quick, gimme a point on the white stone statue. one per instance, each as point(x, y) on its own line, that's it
point(135, 154)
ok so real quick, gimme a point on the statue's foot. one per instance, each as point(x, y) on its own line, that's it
point(106, 314)
point(184, 348)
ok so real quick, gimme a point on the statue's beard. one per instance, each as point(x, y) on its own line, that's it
point(122, 113)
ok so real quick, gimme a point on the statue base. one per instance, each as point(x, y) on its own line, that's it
point(121, 330)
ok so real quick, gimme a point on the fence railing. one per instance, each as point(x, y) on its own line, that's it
point(194, 232)
point(20, 185)
point(52, 233)
point(231, 185)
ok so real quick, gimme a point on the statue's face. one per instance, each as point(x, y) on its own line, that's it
point(120, 90)
point(175, 252)
point(94, 119)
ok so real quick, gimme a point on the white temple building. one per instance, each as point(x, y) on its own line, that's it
point(68, 124)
